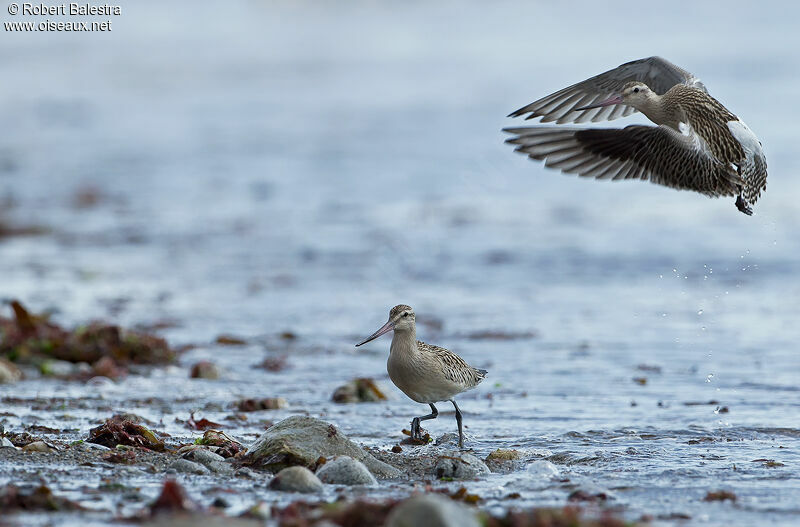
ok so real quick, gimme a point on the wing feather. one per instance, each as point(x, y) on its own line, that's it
point(655, 153)
point(659, 74)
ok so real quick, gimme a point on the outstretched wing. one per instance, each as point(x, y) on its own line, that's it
point(655, 153)
point(659, 74)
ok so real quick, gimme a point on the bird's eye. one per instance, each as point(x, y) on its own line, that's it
point(636, 90)
point(405, 314)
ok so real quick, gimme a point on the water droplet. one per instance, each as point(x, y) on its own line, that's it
point(700, 312)
point(709, 377)
point(702, 328)
point(716, 410)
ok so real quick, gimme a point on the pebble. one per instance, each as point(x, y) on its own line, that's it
point(457, 465)
point(38, 446)
point(6, 443)
point(542, 469)
point(188, 467)
point(296, 479)
point(213, 462)
point(58, 368)
point(85, 446)
point(203, 456)
point(431, 510)
point(9, 373)
point(246, 473)
point(204, 370)
point(259, 511)
point(344, 470)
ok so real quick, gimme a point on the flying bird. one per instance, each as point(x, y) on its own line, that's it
point(697, 143)
point(426, 373)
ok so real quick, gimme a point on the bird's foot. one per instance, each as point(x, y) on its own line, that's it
point(742, 205)
point(417, 435)
point(415, 429)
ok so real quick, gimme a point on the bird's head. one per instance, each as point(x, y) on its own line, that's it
point(401, 318)
point(636, 94)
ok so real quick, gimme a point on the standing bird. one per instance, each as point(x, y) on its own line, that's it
point(427, 374)
point(698, 144)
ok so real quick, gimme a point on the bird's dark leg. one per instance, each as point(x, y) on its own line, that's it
point(742, 205)
point(458, 420)
point(415, 422)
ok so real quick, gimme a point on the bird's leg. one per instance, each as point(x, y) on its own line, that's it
point(458, 420)
point(742, 205)
point(415, 422)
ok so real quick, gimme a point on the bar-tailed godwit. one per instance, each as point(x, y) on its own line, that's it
point(698, 144)
point(426, 373)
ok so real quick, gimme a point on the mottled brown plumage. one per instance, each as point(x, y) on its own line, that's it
point(699, 144)
point(425, 373)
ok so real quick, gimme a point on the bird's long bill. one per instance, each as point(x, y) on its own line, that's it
point(384, 329)
point(617, 99)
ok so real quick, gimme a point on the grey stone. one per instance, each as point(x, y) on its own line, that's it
point(85, 446)
point(431, 510)
point(458, 465)
point(213, 462)
point(296, 479)
point(542, 469)
point(301, 440)
point(344, 470)
point(246, 473)
point(58, 368)
point(260, 511)
point(188, 467)
point(38, 446)
point(447, 440)
point(6, 443)
point(220, 467)
point(9, 373)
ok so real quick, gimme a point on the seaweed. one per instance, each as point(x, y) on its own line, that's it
point(33, 338)
point(121, 431)
point(226, 446)
point(41, 498)
point(358, 391)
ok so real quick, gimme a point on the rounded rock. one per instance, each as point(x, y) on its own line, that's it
point(458, 465)
point(188, 467)
point(431, 510)
point(344, 470)
point(542, 469)
point(204, 370)
point(38, 446)
point(202, 456)
point(296, 479)
point(9, 373)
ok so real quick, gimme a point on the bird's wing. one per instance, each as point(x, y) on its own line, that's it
point(454, 367)
point(659, 154)
point(659, 74)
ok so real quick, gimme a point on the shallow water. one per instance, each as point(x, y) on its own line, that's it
point(304, 167)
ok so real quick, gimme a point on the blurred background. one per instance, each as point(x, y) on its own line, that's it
point(255, 167)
